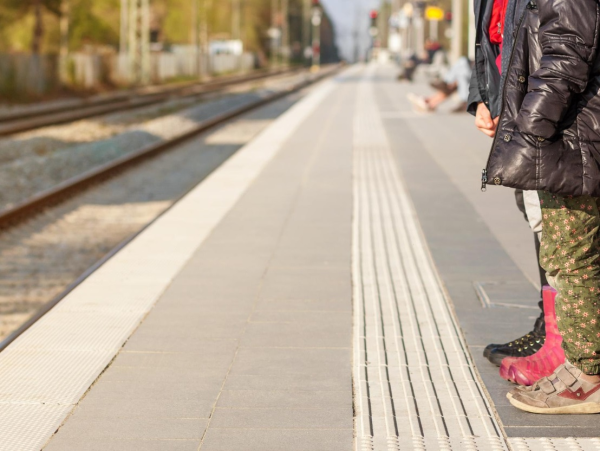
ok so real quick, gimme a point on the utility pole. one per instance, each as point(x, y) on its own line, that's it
point(64, 38)
point(204, 39)
point(145, 33)
point(38, 28)
point(285, 32)
point(196, 37)
point(419, 29)
point(305, 27)
point(64, 27)
point(394, 39)
point(356, 33)
point(457, 30)
point(124, 34)
point(274, 34)
point(139, 41)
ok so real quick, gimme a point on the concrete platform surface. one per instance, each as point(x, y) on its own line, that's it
point(319, 291)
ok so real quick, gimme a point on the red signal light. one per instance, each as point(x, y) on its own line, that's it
point(374, 14)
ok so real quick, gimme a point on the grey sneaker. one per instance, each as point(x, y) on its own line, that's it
point(563, 392)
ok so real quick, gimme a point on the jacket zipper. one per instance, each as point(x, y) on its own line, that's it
point(530, 5)
point(484, 180)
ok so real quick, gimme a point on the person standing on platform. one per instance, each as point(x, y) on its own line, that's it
point(485, 103)
point(547, 139)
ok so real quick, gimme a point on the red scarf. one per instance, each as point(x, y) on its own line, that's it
point(496, 29)
point(497, 21)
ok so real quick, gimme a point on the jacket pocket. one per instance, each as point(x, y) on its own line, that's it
point(519, 80)
point(561, 166)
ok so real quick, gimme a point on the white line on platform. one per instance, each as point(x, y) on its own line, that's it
point(46, 371)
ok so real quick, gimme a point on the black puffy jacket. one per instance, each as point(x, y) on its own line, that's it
point(548, 135)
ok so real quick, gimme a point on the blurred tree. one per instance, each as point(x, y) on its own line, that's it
point(17, 9)
point(94, 23)
point(35, 24)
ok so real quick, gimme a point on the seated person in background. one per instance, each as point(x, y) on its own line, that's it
point(457, 79)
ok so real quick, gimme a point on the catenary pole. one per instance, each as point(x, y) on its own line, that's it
point(457, 30)
point(124, 33)
point(274, 31)
point(285, 32)
point(132, 47)
point(204, 38)
point(139, 41)
point(196, 37)
point(64, 38)
point(305, 26)
point(145, 41)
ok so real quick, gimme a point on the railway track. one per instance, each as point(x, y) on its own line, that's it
point(60, 207)
point(23, 121)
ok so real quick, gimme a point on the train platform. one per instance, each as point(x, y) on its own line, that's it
point(329, 287)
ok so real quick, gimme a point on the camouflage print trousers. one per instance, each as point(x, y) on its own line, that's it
point(570, 254)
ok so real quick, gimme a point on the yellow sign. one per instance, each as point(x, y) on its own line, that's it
point(434, 13)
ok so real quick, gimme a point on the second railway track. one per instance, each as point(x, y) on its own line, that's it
point(70, 111)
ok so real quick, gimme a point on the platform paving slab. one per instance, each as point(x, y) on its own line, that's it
point(125, 445)
point(273, 439)
point(250, 346)
point(271, 245)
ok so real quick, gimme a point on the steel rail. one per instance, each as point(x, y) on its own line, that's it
point(61, 114)
point(15, 214)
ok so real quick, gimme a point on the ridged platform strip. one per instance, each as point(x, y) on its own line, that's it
point(415, 385)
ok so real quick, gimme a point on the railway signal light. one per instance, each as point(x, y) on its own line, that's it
point(374, 14)
point(373, 30)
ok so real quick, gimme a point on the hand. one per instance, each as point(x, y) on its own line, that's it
point(484, 121)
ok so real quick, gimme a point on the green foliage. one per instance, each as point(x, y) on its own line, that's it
point(91, 22)
point(96, 22)
point(176, 18)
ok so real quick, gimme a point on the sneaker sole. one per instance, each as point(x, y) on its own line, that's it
point(575, 409)
point(496, 358)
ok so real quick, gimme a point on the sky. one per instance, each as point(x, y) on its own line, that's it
point(351, 18)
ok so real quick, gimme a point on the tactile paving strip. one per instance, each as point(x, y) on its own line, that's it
point(554, 444)
point(415, 387)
